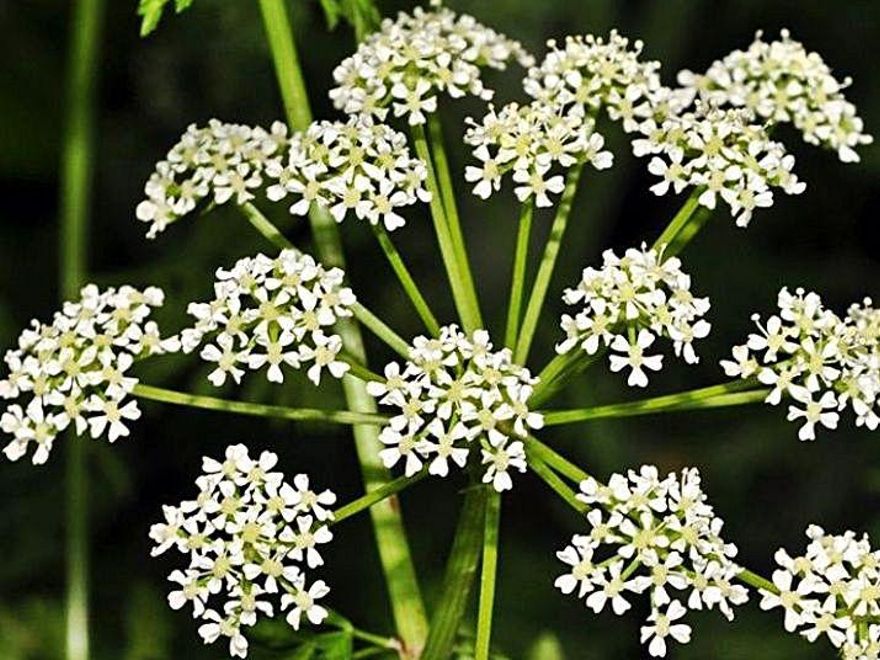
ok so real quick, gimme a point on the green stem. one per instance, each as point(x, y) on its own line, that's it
point(77, 169)
point(447, 190)
point(517, 284)
point(558, 372)
point(263, 225)
point(391, 540)
point(257, 409)
point(406, 280)
point(376, 496)
point(549, 477)
point(378, 327)
point(757, 581)
point(359, 370)
point(461, 569)
point(548, 263)
point(558, 462)
point(684, 226)
point(465, 299)
point(488, 574)
point(717, 396)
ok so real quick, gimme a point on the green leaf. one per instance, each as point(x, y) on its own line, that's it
point(150, 12)
point(362, 15)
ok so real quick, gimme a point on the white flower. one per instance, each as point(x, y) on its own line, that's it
point(634, 357)
point(456, 393)
point(417, 56)
point(630, 302)
point(75, 371)
point(656, 536)
point(272, 314)
point(242, 549)
point(589, 74)
point(529, 140)
point(820, 361)
point(662, 625)
point(781, 82)
point(726, 154)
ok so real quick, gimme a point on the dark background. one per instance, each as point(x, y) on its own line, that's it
point(213, 61)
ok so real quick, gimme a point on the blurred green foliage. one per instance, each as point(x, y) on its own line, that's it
point(214, 62)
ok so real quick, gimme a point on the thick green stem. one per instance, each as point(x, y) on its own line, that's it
point(406, 280)
point(488, 574)
point(394, 553)
point(461, 569)
point(447, 191)
point(558, 462)
point(558, 372)
point(257, 409)
point(463, 296)
point(375, 496)
point(548, 263)
point(549, 477)
point(684, 226)
point(717, 396)
point(77, 167)
point(517, 283)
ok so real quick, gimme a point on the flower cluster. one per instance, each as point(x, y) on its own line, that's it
point(355, 166)
point(271, 313)
point(219, 162)
point(417, 56)
point(627, 304)
point(721, 151)
point(782, 82)
point(833, 590)
point(248, 535)
point(74, 371)
point(455, 392)
point(657, 536)
point(529, 140)
point(822, 362)
point(590, 73)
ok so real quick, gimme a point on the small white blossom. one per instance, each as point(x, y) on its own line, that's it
point(272, 314)
point(247, 536)
point(454, 394)
point(655, 536)
point(412, 59)
point(781, 82)
point(820, 362)
point(74, 372)
point(833, 590)
point(528, 140)
point(630, 302)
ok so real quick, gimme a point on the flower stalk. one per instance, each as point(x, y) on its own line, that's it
point(488, 574)
point(394, 553)
point(716, 396)
point(514, 310)
point(548, 263)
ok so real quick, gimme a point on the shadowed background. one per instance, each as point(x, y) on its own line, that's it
point(213, 62)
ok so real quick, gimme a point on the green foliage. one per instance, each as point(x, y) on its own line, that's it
point(362, 15)
point(150, 12)
point(281, 641)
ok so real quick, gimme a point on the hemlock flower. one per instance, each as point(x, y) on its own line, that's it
point(272, 314)
point(529, 140)
point(74, 372)
point(414, 58)
point(589, 74)
point(821, 362)
point(220, 162)
point(248, 536)
point(781, 82)
point(358, 167)
point(655, 536)
point(833, 590)
point(455, 394)
point(724, 153)
point(630, 302)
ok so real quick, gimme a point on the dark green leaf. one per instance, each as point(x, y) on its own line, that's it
point(150, 12)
